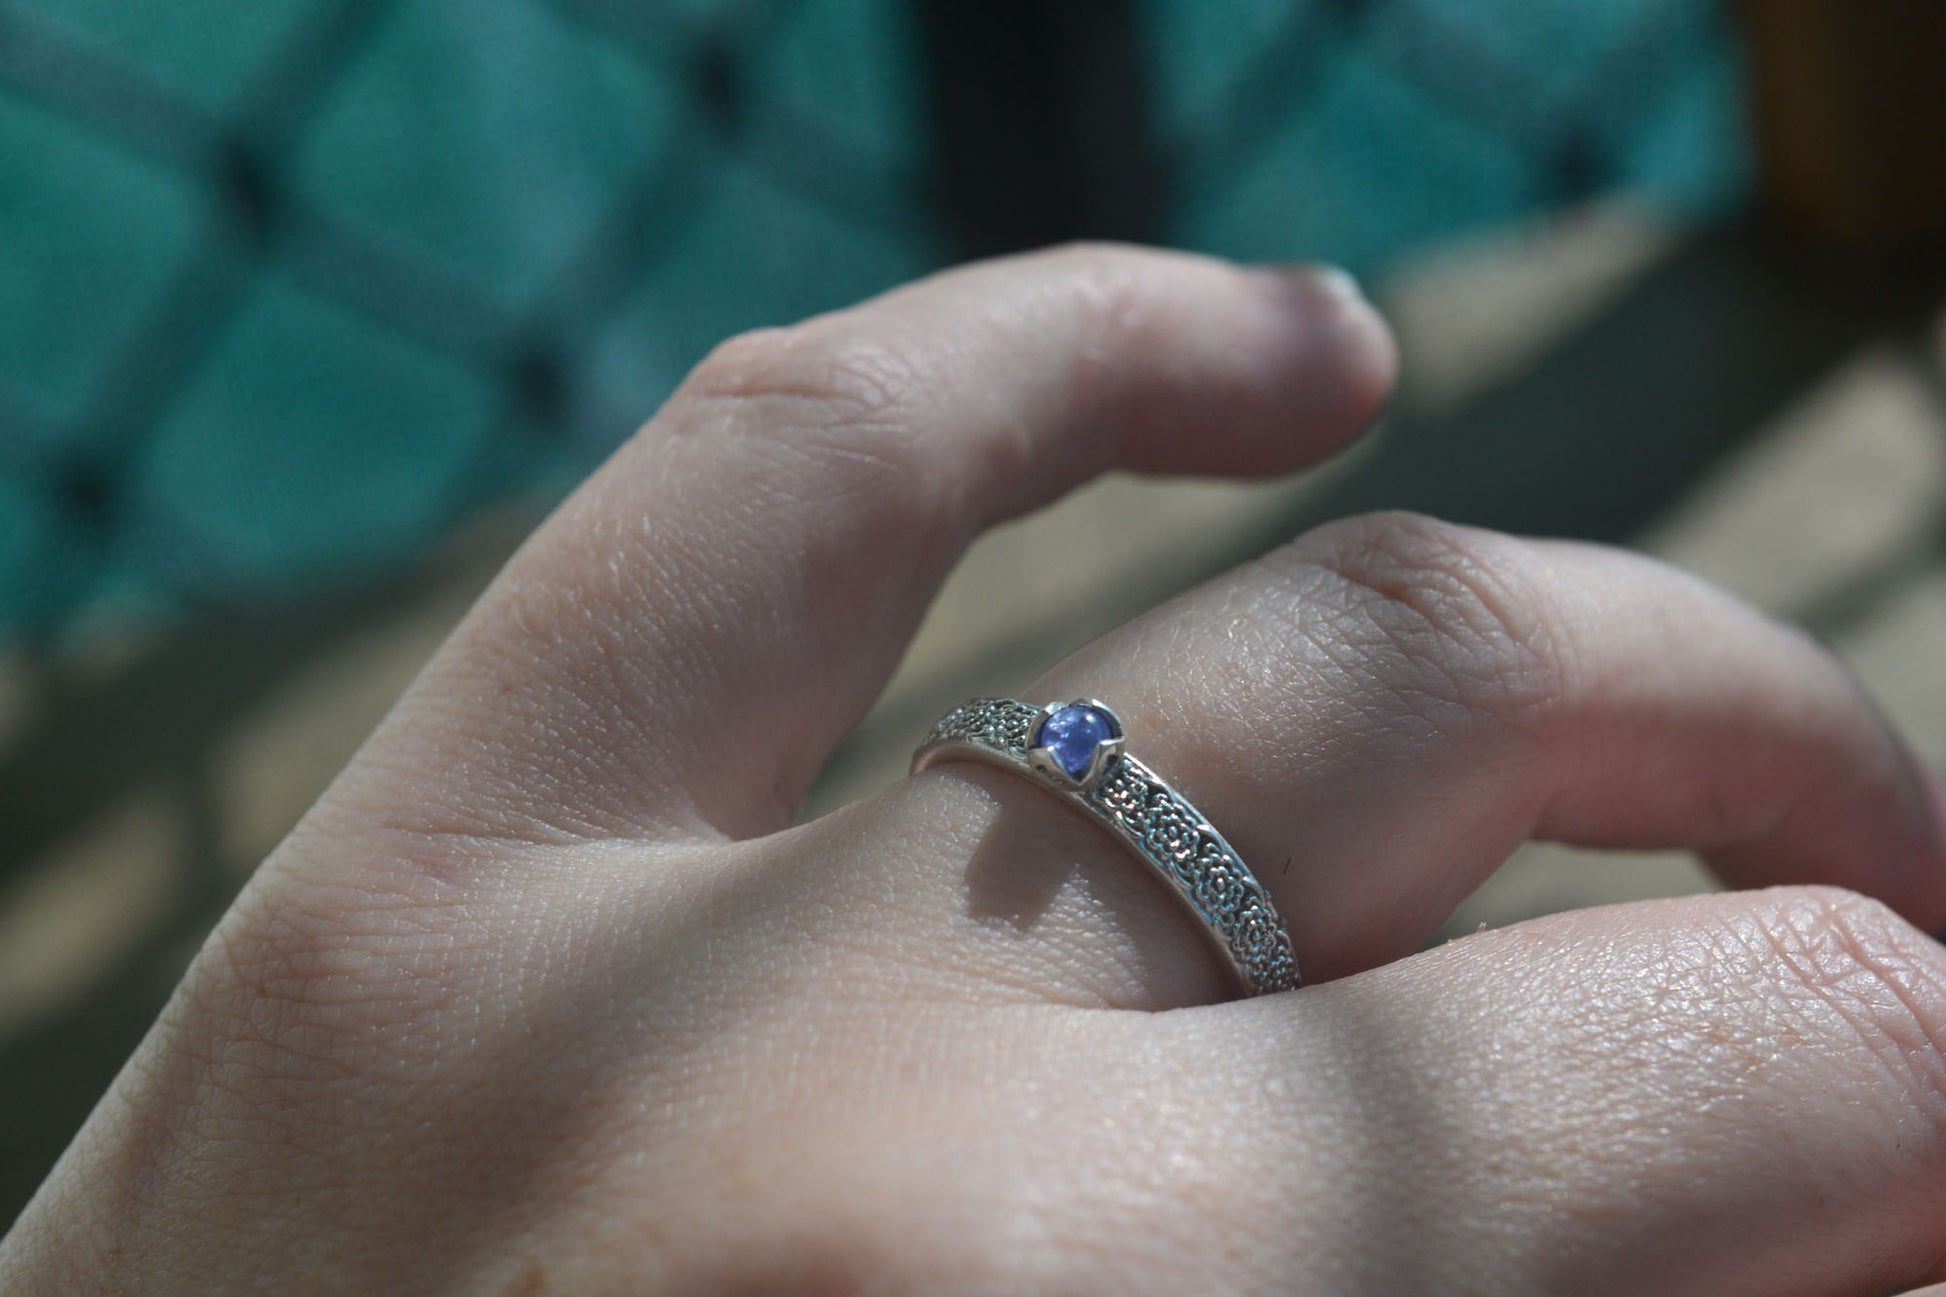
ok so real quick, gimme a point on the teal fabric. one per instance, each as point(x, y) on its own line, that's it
point(490, 235)
point(306, 439)
point(1302, 133)
point(88, 237)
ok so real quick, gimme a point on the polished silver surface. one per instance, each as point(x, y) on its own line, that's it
point(1146, 814)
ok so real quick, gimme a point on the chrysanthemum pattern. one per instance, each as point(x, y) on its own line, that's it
point(1133, 802)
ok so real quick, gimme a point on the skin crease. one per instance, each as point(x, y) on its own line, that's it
point(549, 994)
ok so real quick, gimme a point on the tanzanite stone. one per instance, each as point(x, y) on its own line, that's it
point(1072, 734)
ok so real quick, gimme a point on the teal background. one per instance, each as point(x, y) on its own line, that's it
point(288, 289)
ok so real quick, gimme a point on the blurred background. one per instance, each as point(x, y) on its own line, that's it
point(310, 308)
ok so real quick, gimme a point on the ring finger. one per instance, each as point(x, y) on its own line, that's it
point(1377, 714)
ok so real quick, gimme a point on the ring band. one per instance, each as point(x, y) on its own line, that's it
point(1076, 749)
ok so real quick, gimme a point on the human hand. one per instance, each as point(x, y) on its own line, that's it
point(549, 994)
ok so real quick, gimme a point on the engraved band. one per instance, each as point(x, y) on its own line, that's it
point(1076, 749)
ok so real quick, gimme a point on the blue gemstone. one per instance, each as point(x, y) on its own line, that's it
point(1072, 734)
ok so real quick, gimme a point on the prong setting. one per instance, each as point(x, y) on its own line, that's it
point(1057, 759)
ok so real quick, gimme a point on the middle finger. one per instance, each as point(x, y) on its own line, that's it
point(1379, 713)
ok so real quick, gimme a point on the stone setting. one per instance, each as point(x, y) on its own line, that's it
point(1135, 804)
point(1071, 734)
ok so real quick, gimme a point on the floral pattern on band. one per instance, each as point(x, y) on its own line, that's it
point(1153, 819)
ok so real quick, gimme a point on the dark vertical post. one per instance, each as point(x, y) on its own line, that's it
point(1040, 123)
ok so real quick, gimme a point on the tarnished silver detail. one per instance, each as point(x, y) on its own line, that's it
point(1150, 817)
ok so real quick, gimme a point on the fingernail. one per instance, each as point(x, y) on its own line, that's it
point(1340, 283)
point(1338, 322)
point(1332, 281)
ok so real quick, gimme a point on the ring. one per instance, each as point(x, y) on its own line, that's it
point(1076, 749)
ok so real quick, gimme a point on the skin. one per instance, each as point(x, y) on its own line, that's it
point(550, 994)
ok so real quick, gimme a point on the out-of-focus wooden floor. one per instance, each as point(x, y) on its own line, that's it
point(1780, 429)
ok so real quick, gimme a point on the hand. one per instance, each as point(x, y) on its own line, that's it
point(548, 994)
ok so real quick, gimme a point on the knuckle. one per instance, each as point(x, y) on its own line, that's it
point(1107, 280)
point(824, 375)
point(831, 413)
point(1853, 988)
point(1457, 617)
point(1121, 302)
point(1846, 966)
point(1100, 274)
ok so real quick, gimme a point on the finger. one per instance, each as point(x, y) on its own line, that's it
point(677, 650)
point(1376, 715)
point(1721, 1095)
point(1729, 1094)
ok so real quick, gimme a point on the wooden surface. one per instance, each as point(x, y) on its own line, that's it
point(1850, 108)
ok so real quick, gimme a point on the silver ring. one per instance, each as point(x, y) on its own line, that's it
point(1075, 748)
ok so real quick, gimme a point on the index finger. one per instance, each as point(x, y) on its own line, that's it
point(674, 654)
